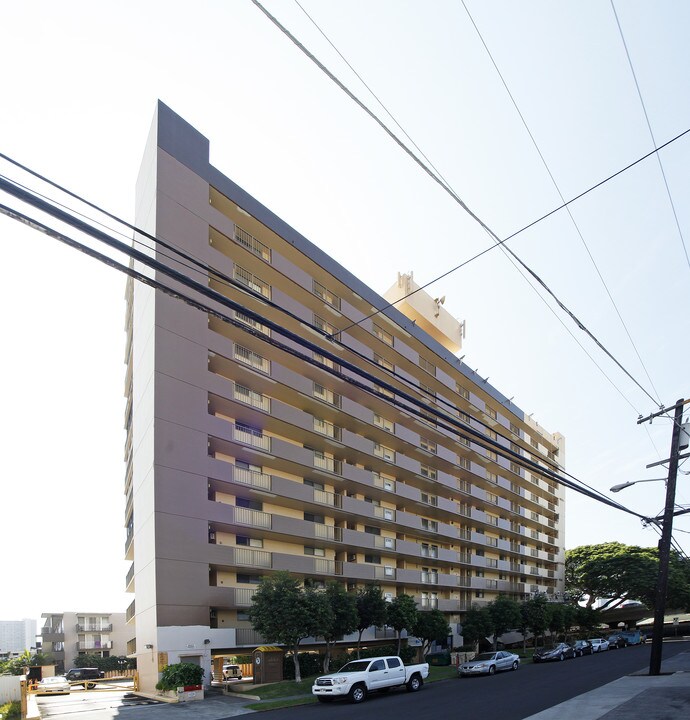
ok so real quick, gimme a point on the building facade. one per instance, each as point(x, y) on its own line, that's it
point(67, 635)
point(16, 636)
point(249, 451)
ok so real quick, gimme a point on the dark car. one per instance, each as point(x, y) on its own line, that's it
point(617, 641)
point(559, 652)
point(76, 675)
point(582, 647)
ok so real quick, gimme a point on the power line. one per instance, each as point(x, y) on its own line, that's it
point(560, 194)
point(485, 443)
point(651, 133)
point(448, 190)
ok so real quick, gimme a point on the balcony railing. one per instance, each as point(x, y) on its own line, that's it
point(252, 359)
point(327, 463)
point(131, 611)
point(95, 645)
point(252, 478)
point(242, 237)
point(327, 498)
point(429, 578)
point(251, 398)
point(252, 558)
point(253, 518)
point(328, 532)
point(95, 628)
point(250, 436)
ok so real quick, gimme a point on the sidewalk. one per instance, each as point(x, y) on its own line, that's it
point(634, 697)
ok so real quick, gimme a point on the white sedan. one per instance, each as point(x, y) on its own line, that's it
point(489, 663)
point(599, 645)
point(56, 685)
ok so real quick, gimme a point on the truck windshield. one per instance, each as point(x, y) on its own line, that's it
point(355, 666)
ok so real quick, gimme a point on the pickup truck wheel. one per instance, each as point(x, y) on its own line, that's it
point(414, 683)
point(358, 694)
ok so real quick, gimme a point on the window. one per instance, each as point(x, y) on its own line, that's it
point(317, 552)
point(379, 360)
point(315, 518)
point(249, 504)
point(490, 497)
point(464, 463)
point(490, 412)
point(249, 397)
point(492, 455)
point(491, 541)
point(377, 665)
point(387, 482)
point(326, 362)
point(323, 393)
point(325, 326)
point(382, 335)
point(428, 445)
point(516, 448)
point(384, 391)
point(248, 579)
point(384, 452)
point(491, 434)
point(491, 563)
point(465, 417)
point(374, 559)
point(429, 550)
point(492, 584)
point(491, 477)
point(370, 530)
point(326, 295)
point(492, 519)
point(431, 525)
point(463, 392)
point(426, 365)
point(394, 662)
point(243, 615)
point(429, 392)
point(479, 593)
point(252, 282)
point(462, 440)
point(384, 423)
point(249, 542)
point(252, 323)
point(479, 573)
point(315, 485)
point(515, 429)
point(326, 428)
point(514, 467)
point(429, 499)
point(427, 472)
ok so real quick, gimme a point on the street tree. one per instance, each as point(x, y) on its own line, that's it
point(476, 625)
point(283, 612)
point(371, 610)
point(533, 617)
point(343, 614)
point(504, 614)
point(431, 626)
point(401, 614)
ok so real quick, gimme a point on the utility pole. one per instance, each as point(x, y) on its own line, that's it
point(665, 541)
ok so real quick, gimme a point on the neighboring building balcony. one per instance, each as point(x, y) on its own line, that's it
point(94, 628)
point(52, 634)
point(129, 579)
point(132, 646)
point(95, 645)
point(131, 611)
point(248, 636)
point(231, 597)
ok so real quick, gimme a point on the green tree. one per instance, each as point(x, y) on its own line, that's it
point(283, 612)
point(431, 626)
point(344, 618)
point(401, 614)
point(505, 615)
point(371, 610)
point(586, 618)
point(555, 618)
point(476, 625)
point(618, 572)
point(534, 616)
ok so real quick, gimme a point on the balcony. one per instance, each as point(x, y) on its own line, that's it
point(131, 611)
point(327, 463)
point(95, 645)
point(249, 242)
point(251, 478)
point(129, 580)
point(94, 628)
point(250, 436)
point(248, 636)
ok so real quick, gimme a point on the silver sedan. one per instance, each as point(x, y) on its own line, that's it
point(489, 663)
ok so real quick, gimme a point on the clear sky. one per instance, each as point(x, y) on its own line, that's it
point(80, 82)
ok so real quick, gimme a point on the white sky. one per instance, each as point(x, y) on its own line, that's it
point(80, 81)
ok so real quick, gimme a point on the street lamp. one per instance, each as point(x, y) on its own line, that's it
point(622, 486)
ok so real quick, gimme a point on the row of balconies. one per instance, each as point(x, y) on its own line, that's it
point(343, 508)
point(444, 456)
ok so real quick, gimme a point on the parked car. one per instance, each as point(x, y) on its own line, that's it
point(616, 641)
point(489, 663)
point(599, 644)
point(558, 652)
point(582, 647)
point(75, 675)
point(358, 678)
point(633, 637)
point(56, 685)
point(232, 672)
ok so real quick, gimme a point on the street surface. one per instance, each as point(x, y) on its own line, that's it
point(508, 695)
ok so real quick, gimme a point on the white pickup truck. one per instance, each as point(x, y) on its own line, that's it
point(360, 677)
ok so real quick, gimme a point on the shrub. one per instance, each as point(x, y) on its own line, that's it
point(179, 675)
point(11, 710)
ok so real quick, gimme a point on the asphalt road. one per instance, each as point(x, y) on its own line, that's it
point(508, 695)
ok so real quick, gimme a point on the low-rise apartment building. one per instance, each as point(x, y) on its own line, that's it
point(314, 429)
point(67, 635)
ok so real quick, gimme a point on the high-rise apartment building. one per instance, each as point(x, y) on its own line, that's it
point(16, 636)
point(67, 635)
point(249, 452)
